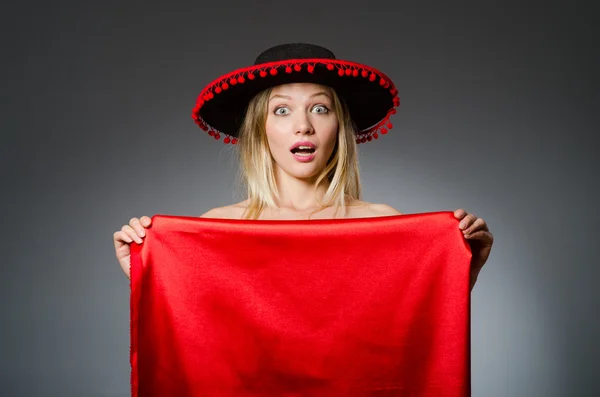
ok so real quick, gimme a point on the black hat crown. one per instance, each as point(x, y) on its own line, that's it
point(293, 51)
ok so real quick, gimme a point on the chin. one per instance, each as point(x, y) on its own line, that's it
point(303, 171)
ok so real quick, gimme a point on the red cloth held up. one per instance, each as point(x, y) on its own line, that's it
point(342, 307)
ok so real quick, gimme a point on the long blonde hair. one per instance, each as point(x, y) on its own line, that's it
point(257, 166)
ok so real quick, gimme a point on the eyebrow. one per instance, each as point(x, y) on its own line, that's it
point(290, 98)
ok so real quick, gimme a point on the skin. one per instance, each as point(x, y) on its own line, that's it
point(304, 112)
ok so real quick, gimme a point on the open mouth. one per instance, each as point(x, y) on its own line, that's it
point(303, 150)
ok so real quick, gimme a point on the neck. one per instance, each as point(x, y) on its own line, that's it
point(298, 194)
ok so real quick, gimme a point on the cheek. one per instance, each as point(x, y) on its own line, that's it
point(275, 137)
point(331, 135)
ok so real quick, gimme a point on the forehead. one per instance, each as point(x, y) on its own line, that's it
point(299, 89)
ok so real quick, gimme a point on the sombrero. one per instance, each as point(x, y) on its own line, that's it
point(370, 95)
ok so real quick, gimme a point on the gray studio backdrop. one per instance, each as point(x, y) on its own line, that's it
point(497, 116)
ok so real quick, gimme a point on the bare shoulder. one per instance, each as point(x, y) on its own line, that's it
point(365, 209)
point(384, 209)
point(233, 211)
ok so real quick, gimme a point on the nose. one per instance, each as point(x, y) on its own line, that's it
point(303, 125)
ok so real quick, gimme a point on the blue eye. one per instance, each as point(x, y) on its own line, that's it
point(320, 109)
point(281, 111)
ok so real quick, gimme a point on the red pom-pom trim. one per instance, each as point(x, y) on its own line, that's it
point(343, 68)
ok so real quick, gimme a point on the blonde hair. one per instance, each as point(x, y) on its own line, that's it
point(257, 166)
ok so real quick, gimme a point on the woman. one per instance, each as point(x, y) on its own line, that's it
point(298, 114)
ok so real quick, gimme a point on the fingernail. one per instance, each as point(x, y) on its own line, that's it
point(462, 225)
point(142, 233)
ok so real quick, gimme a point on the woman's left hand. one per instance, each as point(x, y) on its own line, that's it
point(476, 231)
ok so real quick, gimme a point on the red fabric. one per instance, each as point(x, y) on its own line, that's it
point(347, 307)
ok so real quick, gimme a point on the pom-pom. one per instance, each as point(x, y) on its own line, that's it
point(297, 68)
point(211, 133)
point(241, 80)
point(348, 72)
point(364, 73)
point(355, 73)
point(273, 71)
point(217, 136)
point(251, 76)
point(263, 73)
point(375, 135)
point(311, 68)
point(369, 138)
point(372, 77)
point(330, 66)
point(383, 131)
point(382, 81)
point(211, 95)
point(218, 90)
point(233, 141)
point(225, 86)
point(226, 140)
point(233, 81)
point(341, 72)
point(288, 70)
point(389, 125)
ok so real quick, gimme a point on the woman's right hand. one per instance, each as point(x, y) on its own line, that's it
point(134, 231)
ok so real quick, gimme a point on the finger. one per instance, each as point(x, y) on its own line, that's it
point(121, 237)
point(478, 224)
point(131, 233)
point(460, 213)
point(467, 221)
point(481, 235)
point(137, 226)
point(145, 221)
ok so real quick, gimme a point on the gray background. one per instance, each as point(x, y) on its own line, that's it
point(497, 116)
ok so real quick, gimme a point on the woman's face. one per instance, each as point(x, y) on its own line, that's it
point(301, 128)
